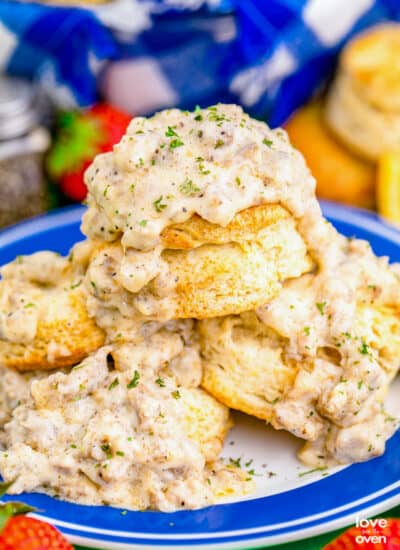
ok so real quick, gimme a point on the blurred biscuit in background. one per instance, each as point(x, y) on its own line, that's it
point(363, 104)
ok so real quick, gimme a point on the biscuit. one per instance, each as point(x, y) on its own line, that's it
point(243, 364)
point(245, 368)
point(209, 270)
point(371, 61)
point(44, 323)
point(65, 335)
point(365, 130)
point(206, 421)
point(363, 104)
point(245, 225)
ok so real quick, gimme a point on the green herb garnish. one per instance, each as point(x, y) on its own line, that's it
point(107, 450)
point(171, 132)
point(76, 285)
point(188, 188)
point(113, 384)
point(176, 143)
point(160, 382)
point(364, 348)
point(158, 204)
point(197, 112)
point(135, 380)
point(318, 469)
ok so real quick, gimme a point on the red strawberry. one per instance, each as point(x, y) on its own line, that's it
point(19, 532)
point(383, 534)
point(79, 138)
point(24, 533)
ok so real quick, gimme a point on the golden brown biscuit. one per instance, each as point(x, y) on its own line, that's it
point(361, 127)
point(206, 421)
point(208, 270)
point(65, 335)
point(383, 325)
point(44, 323)
point(371, 60)
point(243, 364)
point(341, 176)
point(363, 105)
point(245, 225)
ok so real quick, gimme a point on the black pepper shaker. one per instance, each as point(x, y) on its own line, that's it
point(23, 142)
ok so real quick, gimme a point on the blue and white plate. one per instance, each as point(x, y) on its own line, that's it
point(290, 503)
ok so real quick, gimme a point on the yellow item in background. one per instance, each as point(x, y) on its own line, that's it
point(341, 176)
point(388, 187)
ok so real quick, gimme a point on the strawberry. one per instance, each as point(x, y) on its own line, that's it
point(24, 533)
point(19, 532)
point(80, 136)
point(383, 534)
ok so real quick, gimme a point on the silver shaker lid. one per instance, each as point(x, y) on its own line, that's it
point(18, 112)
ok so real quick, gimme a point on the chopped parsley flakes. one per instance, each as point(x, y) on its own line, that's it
point(171, 132)
point(75, 285)
point(364, 348)
point(107, 450)
point(189, 188)
point(197, 112)
point(135, 380)
point(159, 205)
point(176, 395)
point(113, 384)
point(319, 469)
point(176, 143)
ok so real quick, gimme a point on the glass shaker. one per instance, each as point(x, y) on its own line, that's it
point(23, 142)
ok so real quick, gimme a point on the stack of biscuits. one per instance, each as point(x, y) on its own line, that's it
point(190, 297)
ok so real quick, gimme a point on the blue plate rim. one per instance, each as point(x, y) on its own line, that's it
point(386, 497)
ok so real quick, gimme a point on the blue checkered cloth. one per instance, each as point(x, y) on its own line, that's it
point(269, 55)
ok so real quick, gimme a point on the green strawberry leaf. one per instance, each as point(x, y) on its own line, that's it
point(4, 486)
point(11, 509)
point(78, 139)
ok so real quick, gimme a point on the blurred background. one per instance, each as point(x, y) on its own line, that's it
point(73, 73)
